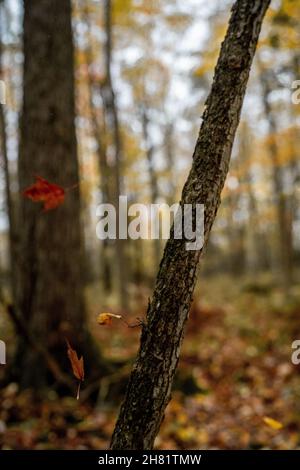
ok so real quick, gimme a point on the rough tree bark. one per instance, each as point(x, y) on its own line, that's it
point(149, 388)
point(49, 289)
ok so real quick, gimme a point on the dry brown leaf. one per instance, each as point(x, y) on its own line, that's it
point(77, 366)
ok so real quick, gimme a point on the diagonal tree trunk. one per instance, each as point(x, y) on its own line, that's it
point(149, 388)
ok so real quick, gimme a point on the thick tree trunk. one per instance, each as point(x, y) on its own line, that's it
point(149, 387)
point(49, 289)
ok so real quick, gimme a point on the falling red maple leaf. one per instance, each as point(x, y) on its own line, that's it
point(52, 195)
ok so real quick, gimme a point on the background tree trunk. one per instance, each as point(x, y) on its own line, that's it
point(8, 197)
point(257, 252)
point(152, 174)
point(149, 388)
point(112, 123)
point(49, 289)
point(100, 136)
point(284, 217)
point(169, 155)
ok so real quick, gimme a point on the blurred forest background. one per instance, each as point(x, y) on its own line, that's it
point(142, 70)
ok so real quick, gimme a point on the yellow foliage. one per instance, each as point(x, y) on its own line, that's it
point(272, 423)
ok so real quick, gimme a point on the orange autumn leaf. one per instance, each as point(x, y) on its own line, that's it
point(77, 366)
point(52, 195)
point(106, 318)
point(76, 363)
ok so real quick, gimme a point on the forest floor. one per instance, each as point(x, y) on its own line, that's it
point(236, 387)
